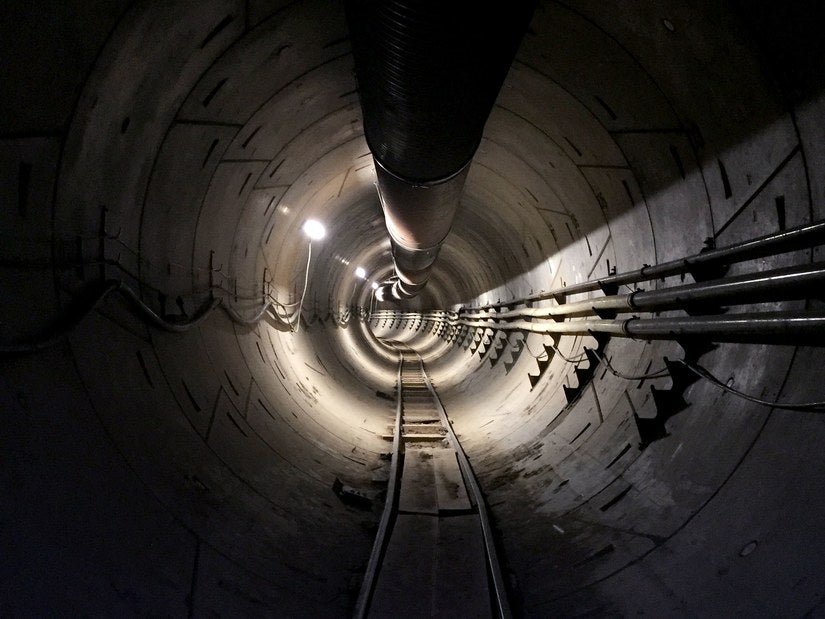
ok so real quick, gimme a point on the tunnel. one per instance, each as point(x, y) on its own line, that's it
point(196, 395)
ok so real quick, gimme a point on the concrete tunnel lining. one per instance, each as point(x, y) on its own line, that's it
point(159, 473)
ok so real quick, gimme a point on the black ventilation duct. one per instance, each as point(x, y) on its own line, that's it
point(428, 76)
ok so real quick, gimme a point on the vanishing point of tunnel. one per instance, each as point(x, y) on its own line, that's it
point(611, 270)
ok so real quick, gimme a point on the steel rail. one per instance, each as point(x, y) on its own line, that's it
point(380, 544)
point(499, 590)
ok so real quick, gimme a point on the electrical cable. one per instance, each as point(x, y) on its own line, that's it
point(166, 325)
point(532, 354)
point(297, 326)
point(236, 316)
point(657, 374)
point(153, 317)
point(285, 316)
point(704, 373)
point(581, 357)
point(54, 339)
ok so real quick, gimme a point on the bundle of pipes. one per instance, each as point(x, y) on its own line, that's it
point(428, 75)
point(803, 328)
point(788, 283)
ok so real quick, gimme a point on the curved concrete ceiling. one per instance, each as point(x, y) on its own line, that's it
point(178, 148)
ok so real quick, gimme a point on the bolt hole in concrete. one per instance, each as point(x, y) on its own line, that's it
point(748, 548)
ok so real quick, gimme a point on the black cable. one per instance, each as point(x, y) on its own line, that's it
point(48, 341)
point(581, 357)
point(531, 353)
point(237, 317)
point(158, 321)
point(153, 317)
point(704, 373)
point(657, 374)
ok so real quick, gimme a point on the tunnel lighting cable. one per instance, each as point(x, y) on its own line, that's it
point(111, 286)
point(297, 326)
point(578, 359)
point(581, 357)
point(316, 231)
point(48, 341)
point(274, 304)
point(532, 354)
point(269, 300)
point(802, 406)
point(281, 304)
point(237, 317)
point(177, 326)
point(704, 373)
point(655, 374)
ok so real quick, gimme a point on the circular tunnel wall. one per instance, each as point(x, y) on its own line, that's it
point(178, 150)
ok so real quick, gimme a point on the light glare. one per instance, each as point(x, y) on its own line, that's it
point(314, 229)
point(360, 273)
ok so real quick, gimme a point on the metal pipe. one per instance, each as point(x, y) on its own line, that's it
point(801, 237)
point(620, 303)
point(572, 327)
point(756, 328)
point(418, 218)
point(428, 75)
point(761, 328)
point(775, 285)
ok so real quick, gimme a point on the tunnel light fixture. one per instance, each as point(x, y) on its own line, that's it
point(375, 285)
point(360, 273)
point(314, 229)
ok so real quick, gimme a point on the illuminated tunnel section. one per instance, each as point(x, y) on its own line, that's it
point(237, 467)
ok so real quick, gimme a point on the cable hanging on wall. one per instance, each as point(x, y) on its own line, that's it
point(818, 407)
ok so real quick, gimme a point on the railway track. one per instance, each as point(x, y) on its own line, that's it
point(434, 553)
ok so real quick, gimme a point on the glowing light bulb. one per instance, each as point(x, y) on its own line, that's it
point(314, 229)
point(360, 273)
